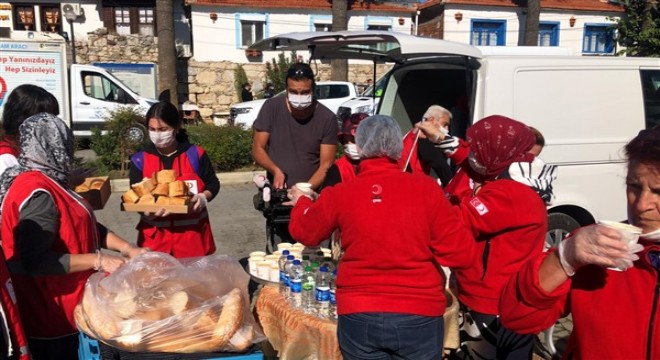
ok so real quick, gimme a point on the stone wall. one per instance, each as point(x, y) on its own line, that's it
point(208, 84)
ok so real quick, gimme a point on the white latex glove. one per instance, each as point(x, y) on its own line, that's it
point(596, 245)
point(199, 201)
point(108, 263)
point(295, 193)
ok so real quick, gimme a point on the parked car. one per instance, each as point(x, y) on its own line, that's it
point(366, 103)
point(329, 93)
point(566, 97)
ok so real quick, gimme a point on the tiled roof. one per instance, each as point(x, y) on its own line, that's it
point(580, 5)
point(303, 4)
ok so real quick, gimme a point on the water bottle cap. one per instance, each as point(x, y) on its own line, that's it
point(327, 258)
point(286, 252)
point(324, 269)
point(315, 264)
point(296, 262)
point(334, 272)
point(305, 257)
point(308, 268)
point(290, 257)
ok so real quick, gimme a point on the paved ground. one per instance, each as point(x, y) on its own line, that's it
point(238, 228)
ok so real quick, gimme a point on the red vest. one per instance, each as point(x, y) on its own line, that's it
point(8, 147)
point(47, 301)
point(184, 235)
point(347, 170)
point(415, 166)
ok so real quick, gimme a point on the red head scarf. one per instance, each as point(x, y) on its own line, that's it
point(496, 142)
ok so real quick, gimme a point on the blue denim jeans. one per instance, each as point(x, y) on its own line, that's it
point(385, 336)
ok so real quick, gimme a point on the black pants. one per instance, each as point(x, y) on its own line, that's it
point(482, 336)
point(64, 348)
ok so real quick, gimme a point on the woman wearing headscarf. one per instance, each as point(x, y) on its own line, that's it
point(397, 229)
point(24, 101)
point(50, 237)
point(506, 213)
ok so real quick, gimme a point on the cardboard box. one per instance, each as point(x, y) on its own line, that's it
point(96, 190)
point(152, 208)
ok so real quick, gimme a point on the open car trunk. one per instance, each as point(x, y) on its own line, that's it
point(425, 72)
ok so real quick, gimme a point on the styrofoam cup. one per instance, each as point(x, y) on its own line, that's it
point(629, 233)
point(263, 270)
point(252, 263)
point(284, 246)
point(305, 187)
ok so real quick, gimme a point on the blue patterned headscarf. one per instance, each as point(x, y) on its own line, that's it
point(46, 146)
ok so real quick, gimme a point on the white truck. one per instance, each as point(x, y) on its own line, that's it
point(329, 93)
point(85, 93)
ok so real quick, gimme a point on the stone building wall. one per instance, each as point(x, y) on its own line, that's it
point(208, 84)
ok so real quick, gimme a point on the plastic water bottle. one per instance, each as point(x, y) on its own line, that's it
point(308, 289)
point(323, 292)
point(333, 299)
point(281, 262)
point(305, 261)
point(327, 262)
point(287, 276)
point(319, 256)
point(296, 277)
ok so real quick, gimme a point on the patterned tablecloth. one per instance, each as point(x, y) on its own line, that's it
point(296, 335)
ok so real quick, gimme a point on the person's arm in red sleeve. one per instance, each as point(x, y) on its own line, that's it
point(452, 243)
point(525, 307)
point(312, 222)
point(489, 212)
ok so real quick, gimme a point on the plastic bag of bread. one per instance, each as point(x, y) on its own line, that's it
point(156, 303)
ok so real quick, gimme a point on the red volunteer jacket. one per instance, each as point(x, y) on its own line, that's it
point(616, 315)
point(415, 165)
point(346, 168)
point(192, 239)
point(8, 147)
point(47, 301)
point(509, 222)
point(397, 228)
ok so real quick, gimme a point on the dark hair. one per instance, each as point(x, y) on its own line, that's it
point(24, 101)
point(299, 71)
point(169, 114)
point(645, 147)
point(540, 140)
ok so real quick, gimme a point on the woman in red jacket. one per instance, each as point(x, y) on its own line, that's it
point(50, 237)
point(180, 235)
point(345, 168)
point(397, 230)
point(616, 314)
point(506, 214)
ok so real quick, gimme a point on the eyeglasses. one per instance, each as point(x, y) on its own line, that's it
point(300, 73)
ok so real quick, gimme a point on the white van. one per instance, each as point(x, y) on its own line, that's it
point(586, 107)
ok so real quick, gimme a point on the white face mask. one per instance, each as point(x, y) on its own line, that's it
point(652, 236)
point(300, 102)
point(351, 151)
point(162, 139)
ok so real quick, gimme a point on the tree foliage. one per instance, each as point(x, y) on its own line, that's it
point(240, 78)
point(638, 31)
point(276, 70)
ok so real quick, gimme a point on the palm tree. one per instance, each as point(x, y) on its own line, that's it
point(167, 83)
